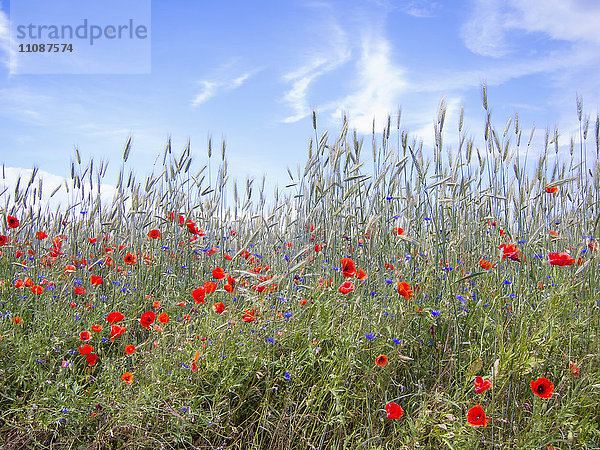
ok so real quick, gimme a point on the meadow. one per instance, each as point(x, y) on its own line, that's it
point(381, 299)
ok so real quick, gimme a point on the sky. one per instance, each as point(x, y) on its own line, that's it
point(230, 70)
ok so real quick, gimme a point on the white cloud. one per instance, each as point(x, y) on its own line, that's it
point(421, 8)
point(488, 30)
point(210, 88)
point(378, 88)
point(8, 57)
point(320, 62)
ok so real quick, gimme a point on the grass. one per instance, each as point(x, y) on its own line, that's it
point(302, 372)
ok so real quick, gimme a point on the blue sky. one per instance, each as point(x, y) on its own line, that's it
point(230, 70)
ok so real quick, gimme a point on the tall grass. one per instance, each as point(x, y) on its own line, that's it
point(303, 373)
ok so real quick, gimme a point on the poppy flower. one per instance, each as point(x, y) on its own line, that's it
point(92, 240)
point(542, 387)
point(3, 240)
point(16, 320)
point(163, 317)
point(381, 360)
point(210, 287)
point(218, 273)
point(85, 349)
point(12, 222)
point(211, 251)
point(389, 266)
point(85, 336)
point(574, 369)
point(129, 349)
point(156, 304)
point(318, 247)
point(198, 295)
point(394, 411)
point(346, 287)
point(130, 259)
point(91, 359)
point(228, 288)
point(96, 280)
point(127, 377)
point(248, 315)
point(114, 317)
point(551, 189)
point(79, 290)
point(116, 331)
point(41, 235)
point(218, 307)
point(28, 282)
point(481, 385)
point(348, 267)
point(404, 290)
point(560, 259)
point(37, 290)
point(510, 251)
point(154, 234)
point(96, 328)
point(362, 275)
point(485, 264)
point(147, 319)
point(398, 231)
point(476, 416)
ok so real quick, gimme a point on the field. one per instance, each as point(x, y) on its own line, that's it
point(382, 299)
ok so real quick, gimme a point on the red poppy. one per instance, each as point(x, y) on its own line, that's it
point(198, 294)
point(147, 319)
point(12, 222)
point(542, 387)
point(3, 240)
point(41, 235)
point(404, 290)
point(362, 275)
point(114, 317)
point(163, 317)
point(130, 259)
point(16, 320)
point(86, 349)
point(127, 377)
point(37, 290)
point(510, 251)
point(228, 287)
point(318, 247)
point(211, 251)
point(394, 411)
point(79, 290)
point(381, 360)
point(248, 315)
point(574, 369)
point(85, 336)
point(481, 385)
point(346, 287)
point(28, 282)
point(154, 234)
point(348, 267)
point(485, 264)
point(116, 331)
point(218, 307)
point(129, 349)
point(476, 416)
point(96, 328)
point(92, 240)
point(388, 266)
point(96, 280)
point(551, 189)
point(398, 231)
point(560, 259)
point(210, 287)
point(91, 359)
point(218, 273)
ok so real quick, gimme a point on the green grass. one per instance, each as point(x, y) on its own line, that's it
point(303, 373)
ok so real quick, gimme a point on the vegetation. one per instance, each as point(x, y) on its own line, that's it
point(458, 293)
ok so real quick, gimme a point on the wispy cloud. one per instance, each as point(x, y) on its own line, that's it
point(8, 53)
point(378, 87)
point(211, 88)
point(320, 62)
point(421, 8)
point(488, 30)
